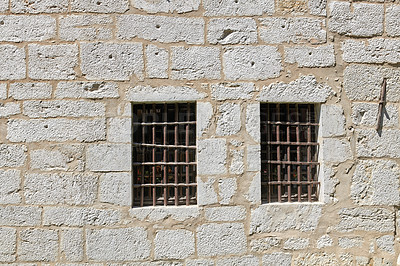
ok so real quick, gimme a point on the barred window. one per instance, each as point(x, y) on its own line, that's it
point(164, 154)
point(289, 152)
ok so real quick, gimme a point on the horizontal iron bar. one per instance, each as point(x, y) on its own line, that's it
point(164, 163)
point(164, 123)
point(290, 162)
point(290, 183)
point(165, 185)
point(291, 143)
point(289, 123)
point(163, 146)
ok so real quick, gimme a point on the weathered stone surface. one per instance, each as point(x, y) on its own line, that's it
point(252, 121)
point(392, 20)
point(229, 122)
point(12, 155)
point(350, 242)
point(25, 91)
point(58, 157)
point(103, 6)
point(356, 19)
point(279, 218)
point(386, 243)
point(10, 186)
point(119, 130)
point(39, 6)
point(115, 188)
point(195, 62)
point(371, 144)
point(20, 216)
point(332, 121)
point(303, 89)
point(111, 61)
point(163, 94)
point(109, 157)
point(232, 31)
point(200, 262)
point(304, 56)
point(363, 219)
point(161, 29)
point(232, 91)
point(294, 243)
point(90, 90)
point(317, 7)
point(277, 259)
point(154, 214)
point(8, 244)
point(263, 244)
point(239, 261)
point(336, 150)
point(328, 182)
point(128, 244)
point(85, 27)
point(147, 263)
point(38, 245)
point(254, 192)
point(324, 241)
point(72, 244)
point(315, 259)
point(238, 8)
point(27, 28)
point(252, 62)
point(204, 112)
point(180, 6)
point(63, 188)
point(60, 216)
point(167, 241)
point(9, 109)
point(376, 183)
point(366, 114)
point(57, 129)
point(157, 60)
point(295, 30)
point(221, 239)
point(237, 163)
point(211, 156)
point(206, 192)
point(253, 158)
point(374, 51)
point(3, 91)
point(227, 188)
point(225, 214)
point(4, 5)
point(12, 63)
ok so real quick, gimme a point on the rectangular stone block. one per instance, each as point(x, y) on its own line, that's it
point(12, 63)
point(238, 8)
point(253, 121)
point(253, 158)
point(341, 147)
point(12, 155)
point(232, 91)
point(366, 114)
point(375, 51)
point(252, 62)
point(72, 244)
point(63, 188)
point(20, 216)
point(3, 91)
point(204, 113)
point(363, 219)
point(229, 120)
point(163, 94)
point(332, 121)
point(296, 243)
point(115, 188)
point(9, 109)
point(85, 27)
point(109, 157)
point(295, 30)
point(39, 6)
point(392, 20)
point(4, 5)
point(373, 145)
point(166, 241)
point(211, 156)
point(261, 245)
point(8, 244)
point(232, 31)
point(225, 214)
point(103, 6)
point(177, 213)
point(128, 244)
point(195, 63)
point(38, 245)
point(56, 129)
point(180, 6)
point(240, 261)
point(52, 62)
point(304, 56)
point(317, 7)
point(60, 216)
point(25, 91)
point(9, 190)
point(350, 242)
point(157, 62)
point(89, 90)
point(111, 61)
point(386, 243)
point(227, 188)
point(161, 29)
point(206, 191)
point(119, 130)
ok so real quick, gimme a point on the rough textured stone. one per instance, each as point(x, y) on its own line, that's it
point(371, 144)
point(225, 214)
point(111, 61)
point(204, 113)
point(115, 188)
point(38, 245)
point(376, 183)
point(277, 259)
point(303, 89)
point(332, 121)
point(9, 109)
point(20, 216)
point(229, 122)
point(253, 158)
point(195, 62)
point(180, 6)
point(4, 5)
point(363, 219)
point(119, 130)
point(109, 157)
point(200, 262)
point(156, 62)
point(3, 91)
point(72, 244)
point(56, 129)
point(152, 214)
point(167, 241)
point(386, 243)
point(237, 164)
point(211, 156)
point(12, 64)
point(356, 19)
point(85, 28)
point(279, 218)
point(206, 191)
point(163, 94)
point(128, 244)
point(25, 91)
point(252, 121)
point(304, 56)
point(329, 183)
point(239, 261)
point(27, 28)
point(232, 91)
point(350, 242)
point(317, 7)
point(103, 6)
point(221, 239)
point(60, 216)
point(12, 155)
point(227, 188)
point(324, 241)
point(254, 192)
point(90, 90)
point(58, 157)
point(238, 8)
point(366, 114)
point(161, 29)
point(251, 62)
point(8, 244)
point(373, 51)
point(294, 243)
point(232, 31)
point(295, 30)
point(63, 188)
point(392, 20)
point(263, 244)
point(316, 259)
point(10, 186)
point(39, 6)
point(336, 150)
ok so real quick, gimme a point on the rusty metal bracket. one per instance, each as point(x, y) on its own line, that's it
point(382, 101)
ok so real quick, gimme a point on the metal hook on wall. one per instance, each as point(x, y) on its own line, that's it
point(382, 101)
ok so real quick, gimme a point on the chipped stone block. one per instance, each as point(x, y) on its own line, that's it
point(115, 188)
point(317, 7)
point(295, 30)
point(153, 214)
point(61, 216)
point(180, 6)
point(263, 244)
point(72, 244)
point(10, 186)
point(204, 113)
point(225, 214)
point(206, 194)
point(39, 6)
point(304, 56)
point(90, 90)
point(237, 164)
point(211, 156)
point(238, 8)
point(96, 6)
point(356, 19)
point(294, 243)
point(38, 245)
point(27, 28)
point(109, 157)
point(254, 192)
point(252, 62)
point(85, 27)
point(111, 61)
point(57, 129)
point(20, 216)
point(12, 155)
point(227, 189)
point(161, 29)
point(232, 31)
point(376, 183)
point(371, 144)
point(277, 259)
point(157, 62)
point(195, 63)
point(8, 244)
point(167, 241)
point(128, 244)
point(374, 51)
point(9, 109)
point(366, 114)
point(253, 121)
point(12, 64)
point(386, 243)
point(163, 94)
point(232, 91)
point(119, 130)
point(324, 241)
point(332, 121)
point(26, 91)
point(392, 20)
point(3, 91)
point(229, 122)
point(363, 219)
point(239, 261)
point(221, 239)
point(336, 150)
point(320, 258)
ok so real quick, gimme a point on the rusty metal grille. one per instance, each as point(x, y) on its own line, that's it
point(164, 154)
point(289, 152)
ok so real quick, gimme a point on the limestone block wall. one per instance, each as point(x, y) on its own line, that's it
point(70, 69)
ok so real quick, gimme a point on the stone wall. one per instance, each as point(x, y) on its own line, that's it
point(69, 70)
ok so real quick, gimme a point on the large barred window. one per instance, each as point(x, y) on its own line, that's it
point(289, 152)
point(164, 154)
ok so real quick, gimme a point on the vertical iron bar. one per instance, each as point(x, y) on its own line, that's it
point(143, 155)
point(176, 153)
point(309, 152)
point(288, 154)
point(153, 155)
point(165, 167)
point(187, 154)
point(268, 128)
point(298, 154)
point(279, 154)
